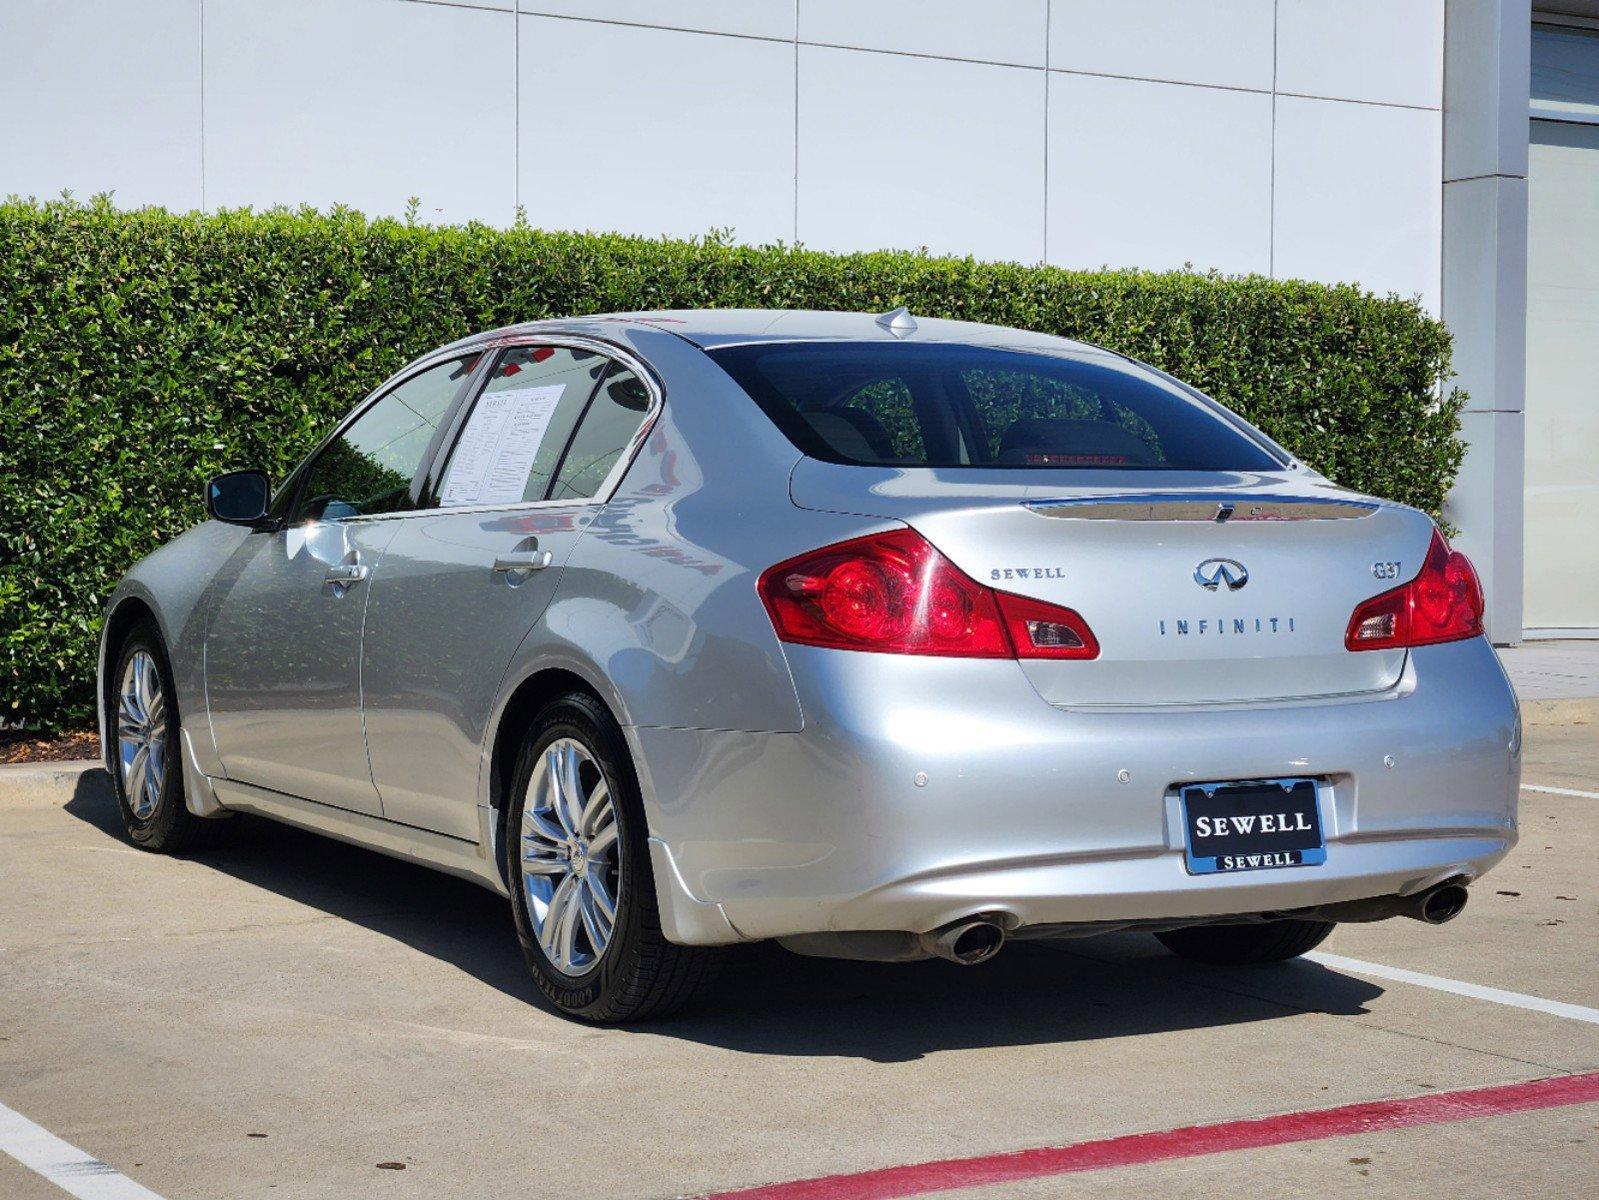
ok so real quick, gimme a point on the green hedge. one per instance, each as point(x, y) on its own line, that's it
point(140, 352)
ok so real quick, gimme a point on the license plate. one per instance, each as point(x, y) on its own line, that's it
point(1251, 826)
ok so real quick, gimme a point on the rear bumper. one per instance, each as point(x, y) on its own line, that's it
point(925, 790)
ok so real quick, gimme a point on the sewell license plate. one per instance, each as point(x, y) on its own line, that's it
point(1252, 825)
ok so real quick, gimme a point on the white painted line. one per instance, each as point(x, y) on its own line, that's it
point(63, 1164)
point(1476, 991)
point(1554, 791)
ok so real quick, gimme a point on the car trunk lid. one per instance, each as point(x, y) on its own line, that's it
point(1202, 589)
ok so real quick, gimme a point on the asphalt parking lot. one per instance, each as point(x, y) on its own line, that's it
point(286, 1016)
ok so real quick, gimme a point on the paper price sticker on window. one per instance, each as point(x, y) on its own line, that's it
point(496, 451)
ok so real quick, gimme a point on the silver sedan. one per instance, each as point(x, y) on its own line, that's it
point(884, 637)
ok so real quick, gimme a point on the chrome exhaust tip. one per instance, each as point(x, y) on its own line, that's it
point(965, 942)
point(1438, 905)
point(1433, 905)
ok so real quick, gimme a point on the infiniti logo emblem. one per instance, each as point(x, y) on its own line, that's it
point(1214, 572)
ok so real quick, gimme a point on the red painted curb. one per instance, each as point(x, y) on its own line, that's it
point(1375, 1116)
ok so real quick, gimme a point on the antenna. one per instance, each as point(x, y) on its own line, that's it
point(898, 321)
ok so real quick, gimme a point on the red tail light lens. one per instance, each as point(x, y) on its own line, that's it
point(1443, 603)
point(893, 593)
point(1040, 630)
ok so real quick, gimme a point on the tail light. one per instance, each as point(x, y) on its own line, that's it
point(1443, 603)
point(1039, 630)
point(893, 593)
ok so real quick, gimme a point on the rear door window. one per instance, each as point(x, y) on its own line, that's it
point(951, 406)
point(515, 436)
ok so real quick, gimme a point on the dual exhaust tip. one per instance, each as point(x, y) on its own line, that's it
point(977, 939)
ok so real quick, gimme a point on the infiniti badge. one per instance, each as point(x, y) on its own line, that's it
point(1214, 572)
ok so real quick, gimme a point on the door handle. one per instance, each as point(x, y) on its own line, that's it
point(348, 573)
point(345, 574)
point(520, 562)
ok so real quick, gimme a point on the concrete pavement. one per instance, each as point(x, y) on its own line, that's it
point(287, 1016)
point(1560, 670)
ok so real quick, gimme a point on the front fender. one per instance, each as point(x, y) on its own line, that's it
point(176, 585)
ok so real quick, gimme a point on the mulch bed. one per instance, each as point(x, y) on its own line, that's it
point(27, 748)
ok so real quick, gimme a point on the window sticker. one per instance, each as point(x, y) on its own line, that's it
point(495, 454)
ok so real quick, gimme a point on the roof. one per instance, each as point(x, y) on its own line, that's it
point(711, 327)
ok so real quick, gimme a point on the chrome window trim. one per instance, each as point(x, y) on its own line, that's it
point(521, 506)
point(496, 346)
point(613, 480)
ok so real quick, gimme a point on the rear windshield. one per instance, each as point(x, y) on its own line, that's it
point(929, 405)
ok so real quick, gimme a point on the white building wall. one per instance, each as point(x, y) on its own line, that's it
point(1485, 287)
point(1288, 137)
point(1295, 138)
point(96, 96)
point(359, 102)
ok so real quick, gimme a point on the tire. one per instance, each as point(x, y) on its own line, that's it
point(149, 796)
point(1242, 945)
point(636, 973)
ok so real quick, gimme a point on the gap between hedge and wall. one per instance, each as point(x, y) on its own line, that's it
point(141, 352)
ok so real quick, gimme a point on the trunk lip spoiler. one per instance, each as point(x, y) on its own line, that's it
point(1203, 507)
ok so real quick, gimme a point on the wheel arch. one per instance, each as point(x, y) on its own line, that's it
point(518, 712)
point(521, 703)
point(126, 612)
point(685, 919)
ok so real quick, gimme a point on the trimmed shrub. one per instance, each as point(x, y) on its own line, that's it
point(141, 352)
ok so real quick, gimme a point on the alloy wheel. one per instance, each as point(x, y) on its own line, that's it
point(571, 868)
point(142, 734)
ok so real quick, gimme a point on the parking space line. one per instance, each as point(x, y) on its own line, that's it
point(1558, 1008)
point(63, 1164)
point(1310, 1125)
point(1554, 791)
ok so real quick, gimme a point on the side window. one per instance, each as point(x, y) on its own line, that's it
point(606, 431)
point(368, 468)
point(510, 444)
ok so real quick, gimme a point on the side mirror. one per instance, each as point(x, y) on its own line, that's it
point(239, 497)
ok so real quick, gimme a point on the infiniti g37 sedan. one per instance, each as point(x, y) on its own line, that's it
point(882, 637)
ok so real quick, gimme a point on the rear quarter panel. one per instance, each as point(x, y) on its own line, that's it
point(657, 604)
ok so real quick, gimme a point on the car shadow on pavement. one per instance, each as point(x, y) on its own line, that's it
point(446, 918)
point(771, 1002)
point(1110, 986)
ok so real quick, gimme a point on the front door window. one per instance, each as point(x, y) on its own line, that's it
point(369, 468)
